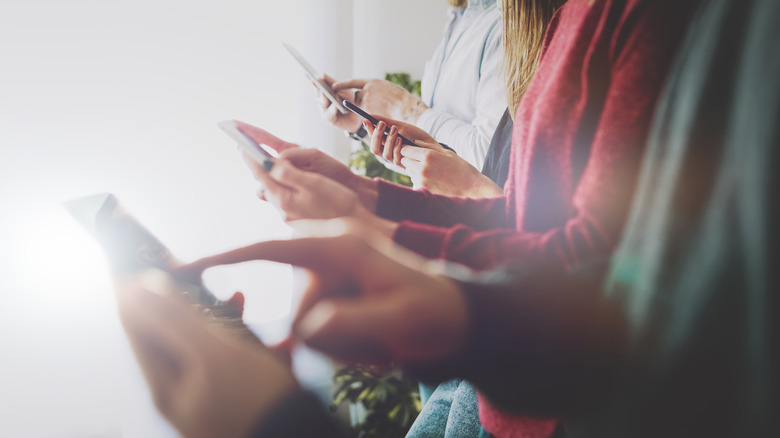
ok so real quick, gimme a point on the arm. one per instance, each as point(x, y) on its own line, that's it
point(399, 203)
point(539, 337)
point(528, 336)
point(471, 139)
point(602, 198)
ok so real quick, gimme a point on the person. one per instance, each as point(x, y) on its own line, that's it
point(681, 341)
point(463, 95)
point(440, 171)
point(453, 404)
point(579, 136)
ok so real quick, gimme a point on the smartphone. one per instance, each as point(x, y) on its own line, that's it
point(132, 250)
point(129, 247)
point(359, 111)
point(313, 76)
point(262, 154)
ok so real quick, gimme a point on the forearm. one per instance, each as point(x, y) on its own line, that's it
point(404, 204)
point(538, 338)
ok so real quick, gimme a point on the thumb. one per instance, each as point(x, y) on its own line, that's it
point(289, 175)
point(352, 83)
point(302, 158)
point(236, 304)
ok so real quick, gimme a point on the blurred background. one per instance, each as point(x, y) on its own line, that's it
point(124, 97)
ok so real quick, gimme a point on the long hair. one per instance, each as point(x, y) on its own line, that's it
point(524, 26)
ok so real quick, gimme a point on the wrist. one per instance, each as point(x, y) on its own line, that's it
point(357, 135)
point(383, 226)
point(486, 188)
point(368, 192)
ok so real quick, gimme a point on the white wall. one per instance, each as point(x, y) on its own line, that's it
point(397, 35)
point(123, 96)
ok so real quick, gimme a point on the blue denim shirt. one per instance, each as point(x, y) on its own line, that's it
point(462, 82)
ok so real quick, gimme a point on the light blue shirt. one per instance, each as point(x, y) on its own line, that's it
point(463, 84)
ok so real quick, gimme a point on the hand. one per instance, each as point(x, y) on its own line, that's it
point(203, 379)
point(430, 166)
point(368, 300)
point(306, 195)
point(312, 160)
point(261, 136)
point(348, 121)
point(378, 96)
point(389, 146)
point(445, 173)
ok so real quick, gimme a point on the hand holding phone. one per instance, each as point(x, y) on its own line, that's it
point(262, 154)
point(313, 76)
point(359, 111)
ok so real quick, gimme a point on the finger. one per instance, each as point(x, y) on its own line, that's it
point(295, 178)
point(413, 167)
point(377, 138)
point(415, 153)
point(261, 194)
point(302, 158)
point(308, 252)
point(236, 304)
point(322, 101)
point(388, 121)
point(261, 136)
point(327, 80)
point(341, 244)
point(331, 113)
point(352, 83)
point(369, 126)
point(269, 184)
point(397, 151)
point(388, 151)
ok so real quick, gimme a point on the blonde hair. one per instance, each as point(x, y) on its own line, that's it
point(457, 3)
point(524, 26)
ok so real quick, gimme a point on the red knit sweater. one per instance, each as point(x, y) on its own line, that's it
point(577, 143)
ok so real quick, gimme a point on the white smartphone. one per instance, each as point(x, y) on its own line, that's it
point(313, 76)
point(262, 154)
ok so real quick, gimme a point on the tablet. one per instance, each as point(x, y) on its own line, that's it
point(262, 154)
point(313, 76)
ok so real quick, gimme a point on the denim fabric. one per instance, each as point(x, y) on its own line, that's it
point(450, 412)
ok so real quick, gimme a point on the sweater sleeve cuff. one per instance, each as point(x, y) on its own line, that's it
point(426, 240)
point(396, 203)
point(300, 414)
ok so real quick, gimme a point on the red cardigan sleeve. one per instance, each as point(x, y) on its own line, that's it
point(400, 203)
point(640, 52)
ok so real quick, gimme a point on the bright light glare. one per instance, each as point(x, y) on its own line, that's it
point(124, 97)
